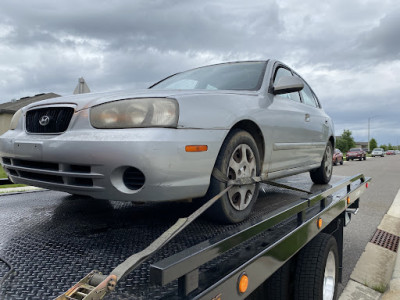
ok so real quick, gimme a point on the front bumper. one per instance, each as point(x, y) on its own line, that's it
point(377, 154)
point(93, 162)
point(354, 155)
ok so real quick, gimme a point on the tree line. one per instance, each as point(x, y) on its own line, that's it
point(346, 141)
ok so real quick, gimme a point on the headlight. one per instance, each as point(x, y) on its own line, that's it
point(15, 119)
point(130, 113)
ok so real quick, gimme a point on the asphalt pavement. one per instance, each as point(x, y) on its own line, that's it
point(375, 204)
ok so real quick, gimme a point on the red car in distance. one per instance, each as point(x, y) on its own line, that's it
point(356, 153)
point(390, 152)
point(337, 157)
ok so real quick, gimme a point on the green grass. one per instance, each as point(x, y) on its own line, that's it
point(4, 175)
point(381, 288)
point(5, 186)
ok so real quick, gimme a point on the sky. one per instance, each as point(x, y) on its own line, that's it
point(348, 51)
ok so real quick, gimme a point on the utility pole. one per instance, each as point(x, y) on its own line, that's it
point(369, 121)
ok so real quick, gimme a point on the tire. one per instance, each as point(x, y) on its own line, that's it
point(238, 157)
point(317, 270)
point(341, 162)
point(335, 162)
point(277, 287)
point(323, 174)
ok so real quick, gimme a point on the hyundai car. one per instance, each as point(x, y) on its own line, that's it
point(185, 137)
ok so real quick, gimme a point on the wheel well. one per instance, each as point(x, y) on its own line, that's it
point(332, 140)
point(256, 133)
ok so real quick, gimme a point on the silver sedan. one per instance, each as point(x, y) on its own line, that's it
point(238, 120)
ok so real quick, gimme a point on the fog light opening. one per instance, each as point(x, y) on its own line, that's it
point(133, 178)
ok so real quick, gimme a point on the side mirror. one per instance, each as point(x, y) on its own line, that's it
point(287, 84)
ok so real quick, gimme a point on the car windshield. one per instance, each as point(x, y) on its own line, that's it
point(229, 76)
point(378, 149)
point(354, 149)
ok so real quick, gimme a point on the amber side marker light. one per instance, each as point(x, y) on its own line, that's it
point(196, 148)
point(348, 200)
point(243, 283)
point(319, 223)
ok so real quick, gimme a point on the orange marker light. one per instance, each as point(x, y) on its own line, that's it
point(348, 200)
point(243, 283)
point(196, 148)
point(319, 223)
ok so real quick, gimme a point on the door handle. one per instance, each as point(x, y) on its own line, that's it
point(307, 118)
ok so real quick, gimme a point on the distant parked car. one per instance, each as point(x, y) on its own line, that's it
point(356, 153)
point(337, 157)
point(397, 151)
point(378, 152)
point(390, 152)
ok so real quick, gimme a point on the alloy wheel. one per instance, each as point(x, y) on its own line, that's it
point(242, 164)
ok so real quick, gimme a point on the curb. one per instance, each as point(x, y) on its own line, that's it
point(23, 189)
point(377, 272)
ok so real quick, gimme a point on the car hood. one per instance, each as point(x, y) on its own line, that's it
point(83, 101)
point(207, 109)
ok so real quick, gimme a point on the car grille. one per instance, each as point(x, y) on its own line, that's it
point(53, 173)
point(58, 119)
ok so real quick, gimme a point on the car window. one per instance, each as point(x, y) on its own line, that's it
point(280, 72)
point(354, 149)
point(185, 84)
point(308, 96)
point(228, 76)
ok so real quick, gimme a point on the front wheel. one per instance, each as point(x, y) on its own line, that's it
point(323, 174)
point(317, 269)
point(238, 158)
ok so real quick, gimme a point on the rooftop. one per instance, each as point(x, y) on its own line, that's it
point(12, 106)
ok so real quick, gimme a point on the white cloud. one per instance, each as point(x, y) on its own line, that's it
point(347, 51)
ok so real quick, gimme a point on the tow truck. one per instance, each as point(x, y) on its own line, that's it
point(291, 247)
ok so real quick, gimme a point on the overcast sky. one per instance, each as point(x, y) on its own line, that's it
point(348, 51)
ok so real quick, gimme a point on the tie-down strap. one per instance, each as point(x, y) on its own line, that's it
point(221, 177)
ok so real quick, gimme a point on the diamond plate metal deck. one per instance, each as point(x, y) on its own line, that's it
point(53, 239)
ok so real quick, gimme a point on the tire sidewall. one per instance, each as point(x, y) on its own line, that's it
point(331, 246)
point(311, 265)
point(319, 175)
point(234, 139)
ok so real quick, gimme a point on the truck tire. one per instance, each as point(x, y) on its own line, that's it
point(276, 287)
point(317, 270)
point(323, 174)
point(238, 157)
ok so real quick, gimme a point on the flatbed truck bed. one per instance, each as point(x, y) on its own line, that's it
point(51, 240)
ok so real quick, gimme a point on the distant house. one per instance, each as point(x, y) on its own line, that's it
point(7, 110)
point(363, 145)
